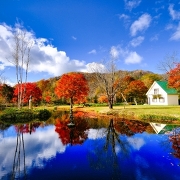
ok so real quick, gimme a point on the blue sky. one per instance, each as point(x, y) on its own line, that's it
point(70, 35)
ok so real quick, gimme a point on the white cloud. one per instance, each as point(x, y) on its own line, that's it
point(131, 4)
point(114, 52)
point(44, 57)
point(137, 41)
point(169, 26)
point(123, 16)
point(133, 58)
point(176, 35)
point(74, 38)
point(154, 38)
point(174, 14)
point(141, 24)
point(38, 146)
point(129, 57)
point(95, 67)
point(92, 52)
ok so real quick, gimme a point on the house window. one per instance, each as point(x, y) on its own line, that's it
point(154, 100)
point(161, 99)
point(156, 91)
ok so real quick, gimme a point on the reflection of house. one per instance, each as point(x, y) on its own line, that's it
point(162, 128)
point(160, 94)
point(157, 127)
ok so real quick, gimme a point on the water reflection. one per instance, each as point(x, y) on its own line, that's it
point(19, 156)
point(95, 148)
point(175, 140)
point(73, 135)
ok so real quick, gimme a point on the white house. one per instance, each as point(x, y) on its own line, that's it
point(160, 94)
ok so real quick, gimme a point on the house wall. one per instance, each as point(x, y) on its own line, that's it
point(157, 101)
point(167, 99)
point(173, 100)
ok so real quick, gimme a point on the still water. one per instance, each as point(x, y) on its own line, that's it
point(93, 149)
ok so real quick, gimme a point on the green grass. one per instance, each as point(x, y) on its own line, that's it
point(145, 112)
point(140, 112)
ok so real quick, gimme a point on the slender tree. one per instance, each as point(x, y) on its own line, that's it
point(21, 59)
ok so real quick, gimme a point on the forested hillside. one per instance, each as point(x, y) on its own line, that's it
point(130, 85)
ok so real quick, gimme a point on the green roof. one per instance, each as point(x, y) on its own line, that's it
point(164, 86)
point(168, 128)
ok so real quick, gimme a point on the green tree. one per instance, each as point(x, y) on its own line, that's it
point(149, 78)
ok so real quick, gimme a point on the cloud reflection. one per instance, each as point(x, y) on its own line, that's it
point(136, 143)
point(97, 133)
point(38, 146)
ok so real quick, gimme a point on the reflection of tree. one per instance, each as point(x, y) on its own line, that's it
point(76, 135)
point(114, 143)
point(175, 139)
point(19, 155)
point(27, 128)
point(113, 137)
point(130, 127)
point(3, 127)
point(16, 172)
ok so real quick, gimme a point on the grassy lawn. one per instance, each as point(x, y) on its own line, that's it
point(141, 112)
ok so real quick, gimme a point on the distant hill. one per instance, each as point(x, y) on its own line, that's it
point(136, 74)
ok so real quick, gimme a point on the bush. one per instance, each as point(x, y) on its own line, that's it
point(44, 114)
point(24, 115)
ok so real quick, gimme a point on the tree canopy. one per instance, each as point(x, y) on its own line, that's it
point(29, 89)
point(174, 77)
point(72, 86)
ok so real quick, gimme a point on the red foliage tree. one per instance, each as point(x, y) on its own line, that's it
point(72, 86)
point(30, 89)
point(174, 77)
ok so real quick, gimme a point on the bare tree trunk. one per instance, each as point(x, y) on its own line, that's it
point(107, 79)
point(21, 59)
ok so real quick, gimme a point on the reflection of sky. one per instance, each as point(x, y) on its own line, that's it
point(42, 145)
point(48, 158)
point(97, 133)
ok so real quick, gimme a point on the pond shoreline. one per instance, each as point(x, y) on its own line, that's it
point(145, 113)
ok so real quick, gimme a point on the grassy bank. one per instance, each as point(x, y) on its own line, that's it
point(132, 112)
point(139, 112)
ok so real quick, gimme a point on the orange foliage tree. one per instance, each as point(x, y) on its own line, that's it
point(136, 90)
point(174, 77)
point(72, 86)
point(30, 89)
point(103, 99)
point(6, 93)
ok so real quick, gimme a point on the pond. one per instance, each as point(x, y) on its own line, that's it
point(93, 149)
